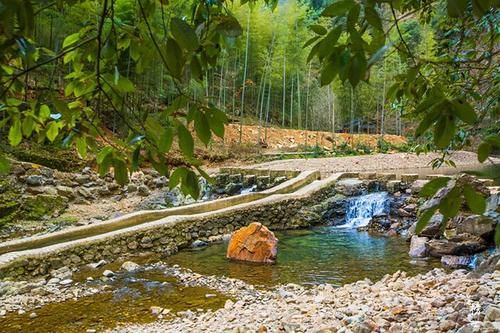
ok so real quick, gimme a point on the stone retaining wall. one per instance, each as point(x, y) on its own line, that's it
point(147, 216)
point(167, 235)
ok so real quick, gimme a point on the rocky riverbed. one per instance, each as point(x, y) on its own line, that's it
point(432, 302)
point(438, 301)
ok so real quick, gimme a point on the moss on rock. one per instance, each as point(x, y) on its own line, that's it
point(9, 201)
point(36, 207)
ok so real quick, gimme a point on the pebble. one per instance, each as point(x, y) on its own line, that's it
point(66, 282)
point(107, 273)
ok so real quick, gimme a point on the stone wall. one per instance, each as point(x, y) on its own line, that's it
point(168, 235)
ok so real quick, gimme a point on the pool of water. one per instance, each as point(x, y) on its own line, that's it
point(310, 257)
point(128, 301)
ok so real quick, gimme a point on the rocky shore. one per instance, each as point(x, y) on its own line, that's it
point(433, 302)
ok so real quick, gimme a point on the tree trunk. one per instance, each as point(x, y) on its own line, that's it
point(244, 78)
point(284, 91)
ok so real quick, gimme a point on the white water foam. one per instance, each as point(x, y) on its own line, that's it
point(361, 209)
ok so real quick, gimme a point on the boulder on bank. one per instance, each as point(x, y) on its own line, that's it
point(418, 247)
point(255, 243)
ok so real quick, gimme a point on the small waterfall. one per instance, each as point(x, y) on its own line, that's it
point(361, 209)
point(249, 189)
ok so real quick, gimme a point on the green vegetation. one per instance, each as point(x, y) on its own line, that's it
point(127, 82)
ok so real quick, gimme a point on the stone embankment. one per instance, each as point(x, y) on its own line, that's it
point(433, 302)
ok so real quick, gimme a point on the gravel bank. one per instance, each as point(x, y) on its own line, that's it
point(433, 302)
point(377, 162)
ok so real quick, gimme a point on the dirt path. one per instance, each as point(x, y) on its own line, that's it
point(397, 163)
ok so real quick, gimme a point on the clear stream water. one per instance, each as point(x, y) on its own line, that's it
point(336, 255)
point(309, 257)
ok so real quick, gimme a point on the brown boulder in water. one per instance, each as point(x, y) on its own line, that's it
point(254, 243)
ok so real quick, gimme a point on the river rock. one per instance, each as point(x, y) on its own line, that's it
point(254, 243)
point(62, 273)
point(433, 227)
point(458, 245)
point(233, 188)
point(456, 261)
point(107, 273)
point(418, 247)
point(34, 180)
point(492, 313)
point(350, 187)
point(476, 225)
point(130, 266)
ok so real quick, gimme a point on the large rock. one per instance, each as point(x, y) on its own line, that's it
point(418, 247)
point(254, 243)
point(476, 225)
point(350, 187)
point(462, 244)
point(457, 261)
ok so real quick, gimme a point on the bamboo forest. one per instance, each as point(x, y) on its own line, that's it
point(249, 166)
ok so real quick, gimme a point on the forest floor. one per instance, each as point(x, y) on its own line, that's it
point(276, 139)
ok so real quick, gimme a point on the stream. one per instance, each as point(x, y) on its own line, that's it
point(327, 254)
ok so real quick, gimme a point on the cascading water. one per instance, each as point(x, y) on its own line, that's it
point(251, 189)
point(361, 209)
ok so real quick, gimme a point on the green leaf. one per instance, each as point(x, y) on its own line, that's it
point(457, 8)
point(426, 123)
point(481, 7)
point(166, 139)
point(202, 127)
point(216, 119)
point(71, 39)
point(451, 203)
point(125, 85)
point(4, 165)
point(174, 58)
point(52, 131)
point(161, 166)
point(373, 18)
point(464, 111)
point(120, 171)
point(177, 176)
point(81, 146)
point(424, 219)
point(229, 26)
point(326, 44)
point(44, 113)
point(444, 131)
point(429, 189)
point(15, 133)
point(328, 73)
point(318, 29)
point(136, 156)
point(103, 154)
point(28, 123)
point(483, 151)
point(184, 34)
point(475, 201)
point(311, 41)
point(338, 8)
point(104, 165)
point(196, 71)
point(357, 69)
point(186, 143)
point(191, 185)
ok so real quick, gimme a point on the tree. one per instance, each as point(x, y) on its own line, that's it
point(453, 92)
point(110, 34)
